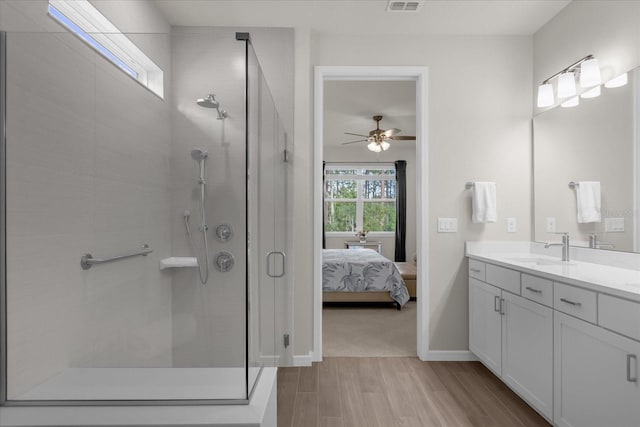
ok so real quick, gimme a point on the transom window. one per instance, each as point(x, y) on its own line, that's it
point(360, 197)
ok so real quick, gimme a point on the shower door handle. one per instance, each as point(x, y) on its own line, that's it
point(283, 257)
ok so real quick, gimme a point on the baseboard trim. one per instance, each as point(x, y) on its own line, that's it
point(302, 360)
point(451, 356)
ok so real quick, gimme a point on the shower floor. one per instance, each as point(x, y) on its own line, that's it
point(144, 384)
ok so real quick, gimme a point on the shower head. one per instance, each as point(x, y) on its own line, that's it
point(208, 102)
point(198, 154)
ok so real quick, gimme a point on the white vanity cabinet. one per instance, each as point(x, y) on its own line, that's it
point(485, 324)
point(568, 347)
point(596, 376)
point(527, 351)
point(511, 335)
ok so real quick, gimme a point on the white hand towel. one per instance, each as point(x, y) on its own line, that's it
point(484, 202)
point(588, 201)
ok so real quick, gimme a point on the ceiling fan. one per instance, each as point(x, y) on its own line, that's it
point(378, 139)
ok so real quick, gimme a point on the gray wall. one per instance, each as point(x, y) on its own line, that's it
point(84, 175)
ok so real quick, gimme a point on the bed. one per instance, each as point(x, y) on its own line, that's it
point(361, 275)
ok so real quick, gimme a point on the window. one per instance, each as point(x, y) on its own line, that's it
point(85, 21)
point(360, 198)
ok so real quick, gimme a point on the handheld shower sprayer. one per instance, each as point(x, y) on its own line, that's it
point(203, 266)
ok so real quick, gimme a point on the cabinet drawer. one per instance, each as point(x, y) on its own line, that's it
point(619, 315)
point(506, 279)
point(476, 269)
point(577, 302)
point(537, 289)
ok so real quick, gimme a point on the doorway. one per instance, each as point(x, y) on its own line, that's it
point(418, 75)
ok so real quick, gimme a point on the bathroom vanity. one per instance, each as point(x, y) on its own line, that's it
point(565, 336)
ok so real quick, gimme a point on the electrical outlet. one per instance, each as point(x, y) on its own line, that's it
point(447, 225)
point(512, 225)
point(551, 225)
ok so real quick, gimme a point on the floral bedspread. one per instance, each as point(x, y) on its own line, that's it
point(361, 270)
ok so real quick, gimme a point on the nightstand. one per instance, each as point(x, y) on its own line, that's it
point(369, 244)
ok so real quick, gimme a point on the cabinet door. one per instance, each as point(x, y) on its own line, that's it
point(527, 351)
point(595, 377)
point(485, 324)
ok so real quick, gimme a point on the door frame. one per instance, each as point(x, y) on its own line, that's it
point(375, 73)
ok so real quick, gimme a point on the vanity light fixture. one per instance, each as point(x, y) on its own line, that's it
point(571, 102)
point(590, 73)
point(591, 93)
point(566, 85)
point(619, 81)
point(586, 68)
point(545, 95)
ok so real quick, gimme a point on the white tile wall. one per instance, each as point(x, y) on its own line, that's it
point(88, 171)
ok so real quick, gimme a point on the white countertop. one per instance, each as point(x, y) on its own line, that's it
point(621, 282)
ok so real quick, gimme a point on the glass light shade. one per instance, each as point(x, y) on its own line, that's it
point(621, 80)
point(590, 73)
point(545, 95)
point(375, 147)
point(571, 102)
point(385, 145)
point(591, 93)
point(566, 85)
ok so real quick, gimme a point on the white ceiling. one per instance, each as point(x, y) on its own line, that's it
point(453, 17)
point(350, 105)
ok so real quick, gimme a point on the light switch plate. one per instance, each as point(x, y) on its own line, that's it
point(512, 225)
point(614, 225)
point(447, 225)
point(551, 225)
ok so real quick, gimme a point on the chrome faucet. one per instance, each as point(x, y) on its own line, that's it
point(594, 244)
point(564, 244)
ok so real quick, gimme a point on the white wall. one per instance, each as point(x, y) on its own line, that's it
point(84, 175)
point(479, 129)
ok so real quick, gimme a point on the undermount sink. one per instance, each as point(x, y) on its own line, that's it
point(540, 261)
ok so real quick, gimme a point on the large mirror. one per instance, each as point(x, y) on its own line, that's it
point(594, 142)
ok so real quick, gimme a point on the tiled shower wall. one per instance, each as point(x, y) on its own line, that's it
point(88, 171)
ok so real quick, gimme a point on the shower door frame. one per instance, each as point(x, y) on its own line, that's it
point(3, 290)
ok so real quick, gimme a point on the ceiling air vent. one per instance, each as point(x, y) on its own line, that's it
point(404, 6)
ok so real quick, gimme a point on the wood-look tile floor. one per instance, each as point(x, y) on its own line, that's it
point(397, 392)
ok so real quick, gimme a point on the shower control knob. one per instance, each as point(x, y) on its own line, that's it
point(223, 261)
point(224, 232)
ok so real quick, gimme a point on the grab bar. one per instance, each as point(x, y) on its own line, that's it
point(87, 260)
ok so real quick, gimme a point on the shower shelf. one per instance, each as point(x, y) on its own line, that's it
point(176, 261)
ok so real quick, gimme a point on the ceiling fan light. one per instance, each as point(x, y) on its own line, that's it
point(619, 81)
point(590, 73)
point(566, 85)
point(545, 95)
point(591, 93)
point(385, 145)
point(373, 147)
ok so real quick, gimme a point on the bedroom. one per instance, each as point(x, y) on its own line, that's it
point(358, 318)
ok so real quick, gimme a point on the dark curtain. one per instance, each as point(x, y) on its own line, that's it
point(401, 210)
point(324, 238)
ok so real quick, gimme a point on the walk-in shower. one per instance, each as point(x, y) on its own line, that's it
point(200, 156)
point(122, 166)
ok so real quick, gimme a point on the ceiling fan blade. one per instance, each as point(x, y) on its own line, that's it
point(356, 134)
point(403, 137)
point(391, 132)
point(353, 142)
